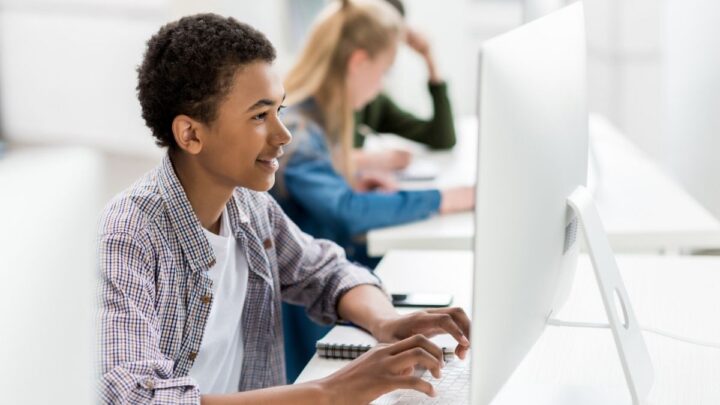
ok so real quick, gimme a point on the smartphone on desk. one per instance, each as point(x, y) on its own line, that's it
point(422, 300)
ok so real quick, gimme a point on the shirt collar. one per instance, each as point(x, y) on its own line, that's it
point(195, 245)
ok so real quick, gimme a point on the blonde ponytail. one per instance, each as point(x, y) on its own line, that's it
point(343, 27)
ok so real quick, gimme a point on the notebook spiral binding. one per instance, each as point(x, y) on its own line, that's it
point(341, 351)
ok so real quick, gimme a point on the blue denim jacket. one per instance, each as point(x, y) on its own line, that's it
point(322, 203)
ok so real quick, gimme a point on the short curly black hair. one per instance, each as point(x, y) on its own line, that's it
point(188, 68)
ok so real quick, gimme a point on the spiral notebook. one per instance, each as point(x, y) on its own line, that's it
point(349, 342)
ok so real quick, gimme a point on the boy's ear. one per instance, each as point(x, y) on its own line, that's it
point(188, 134)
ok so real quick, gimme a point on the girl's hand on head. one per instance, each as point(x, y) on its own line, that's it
point(417, 42)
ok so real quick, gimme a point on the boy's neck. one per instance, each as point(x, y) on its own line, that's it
point(207, 197)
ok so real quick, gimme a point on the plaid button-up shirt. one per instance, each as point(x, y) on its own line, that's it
point(155, 294)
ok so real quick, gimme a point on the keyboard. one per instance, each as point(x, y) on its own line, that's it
point(453, 388)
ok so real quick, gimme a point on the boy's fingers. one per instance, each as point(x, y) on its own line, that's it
point(415, 357)
point(416, 341)
point(414, 383)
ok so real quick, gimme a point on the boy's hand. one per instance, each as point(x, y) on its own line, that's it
point(428, 323)
point(383, 369)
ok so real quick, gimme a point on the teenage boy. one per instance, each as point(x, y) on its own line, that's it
point(195, 257)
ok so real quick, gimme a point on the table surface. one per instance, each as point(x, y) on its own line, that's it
point(643, 209)
point(674, 293)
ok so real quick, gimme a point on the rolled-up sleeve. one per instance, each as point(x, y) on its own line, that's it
point(313, 272)
point(132, 368)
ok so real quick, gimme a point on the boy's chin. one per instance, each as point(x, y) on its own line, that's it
point(260, 186)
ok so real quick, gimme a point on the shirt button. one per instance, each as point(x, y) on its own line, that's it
point(267, 244)
point(192, 356)
point(206, 299)
point(149, 384)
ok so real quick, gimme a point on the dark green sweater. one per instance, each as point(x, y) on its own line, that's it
point(383, 116)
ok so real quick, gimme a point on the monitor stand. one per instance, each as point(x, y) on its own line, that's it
point(626, 332)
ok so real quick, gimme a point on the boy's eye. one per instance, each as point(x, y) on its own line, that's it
point(263, 115)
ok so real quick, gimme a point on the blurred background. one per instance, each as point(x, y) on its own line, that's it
point(67, 71)
point(71, 134)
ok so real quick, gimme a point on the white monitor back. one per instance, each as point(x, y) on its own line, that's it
point(49, 205)
point(533, 151)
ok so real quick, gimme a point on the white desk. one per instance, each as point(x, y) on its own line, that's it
point(643, 209)
point(674, 293)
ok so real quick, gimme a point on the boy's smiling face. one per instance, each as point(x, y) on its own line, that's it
point(241, 146)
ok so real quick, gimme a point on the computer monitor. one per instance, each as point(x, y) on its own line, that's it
point(532, 156)
point(49, 202)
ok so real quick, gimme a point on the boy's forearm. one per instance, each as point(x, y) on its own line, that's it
point(366, 306)
point(310, 393)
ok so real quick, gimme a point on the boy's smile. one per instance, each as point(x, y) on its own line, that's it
point(270, 163)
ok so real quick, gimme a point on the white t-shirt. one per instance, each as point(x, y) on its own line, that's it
point(218, 364)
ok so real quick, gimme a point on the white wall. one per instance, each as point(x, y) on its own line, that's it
point(625, 67)
point(692, 104)
point(655, 73)
point(456, 30)
point(67, 72)
point(271, 17)
point(67, 68)
point(533, 9)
